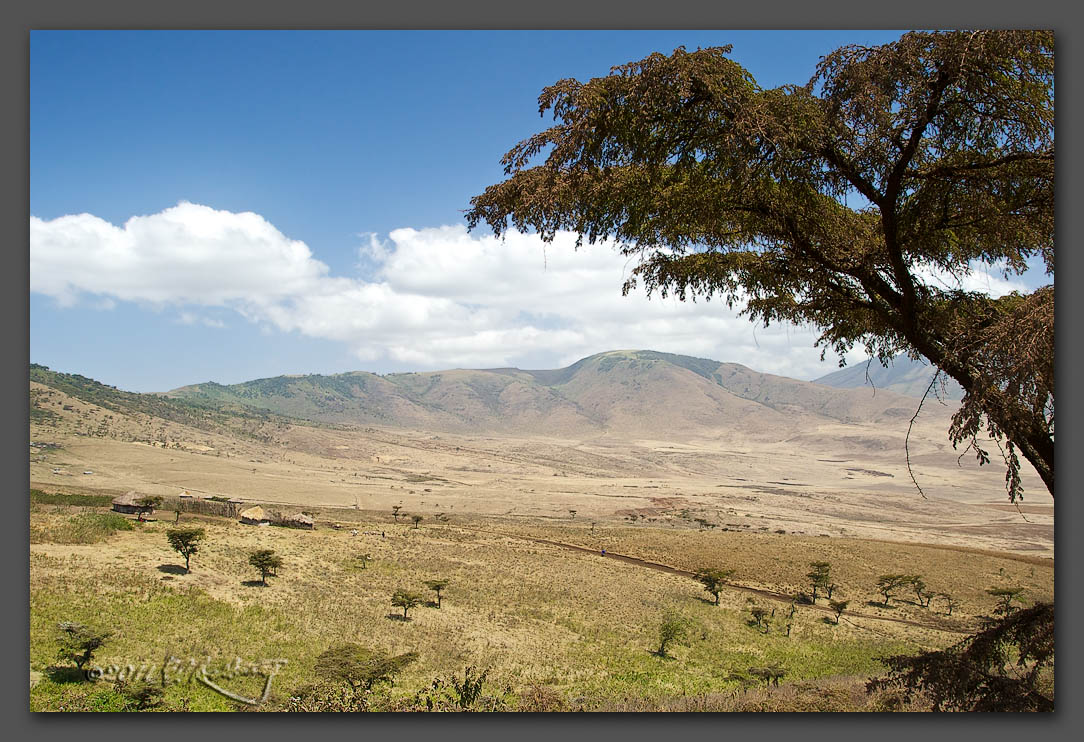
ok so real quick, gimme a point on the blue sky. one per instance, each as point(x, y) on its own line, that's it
point(223, 205)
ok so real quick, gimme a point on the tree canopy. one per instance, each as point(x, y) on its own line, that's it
point(857, 203)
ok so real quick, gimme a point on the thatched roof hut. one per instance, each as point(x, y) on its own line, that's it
point(298, 520)
point(126, 503)
point(255, 516)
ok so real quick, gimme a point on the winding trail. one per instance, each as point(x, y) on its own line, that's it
point(767, 594)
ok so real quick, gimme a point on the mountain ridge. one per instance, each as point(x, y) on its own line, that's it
point(629, 391)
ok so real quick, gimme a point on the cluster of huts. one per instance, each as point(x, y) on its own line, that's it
point(253, 516)
point(257, 516)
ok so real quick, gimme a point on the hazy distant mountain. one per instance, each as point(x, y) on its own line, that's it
point(628, 392)
point(903, 376)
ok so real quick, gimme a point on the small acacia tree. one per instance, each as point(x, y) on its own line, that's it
point(713, 580)
point(417, 519)
point(359, 667)
point(819, 577)
point(838, 606)
point(364, 559)
point(405, 600)
point(437, 586)
point(672, 630)
point(395, 511)
point(923, 595)
point(889, 584)
point(78, 642)
point(267, 561)
point(950, 602)
point(147, 504)
point(186, 542)
point(1005, 596)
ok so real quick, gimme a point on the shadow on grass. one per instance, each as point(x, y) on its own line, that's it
point(878, 604)
point(828, 620)
point(397, 617)
point(65, 674)
point(172, 569)
point(709, 601)
point(253, 583)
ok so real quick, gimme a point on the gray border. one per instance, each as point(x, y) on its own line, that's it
point(493, 14)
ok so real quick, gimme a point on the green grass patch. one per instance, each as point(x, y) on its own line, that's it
point(84, 528)
point(37, 497)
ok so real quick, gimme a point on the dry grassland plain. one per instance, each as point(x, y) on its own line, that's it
point(500, 518)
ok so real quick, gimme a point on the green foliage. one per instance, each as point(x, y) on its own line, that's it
point(1005, 596)
point(82, 528)
point(266, 561)
point(1001, 668)
point(360, 667)
point(148, 503)
point(437, 586)
point(713, 579)
point(820, 576)
point(722, 188)
point(417, 519)
point(406, 600)
point(205, 413)
point(760, 615)
point(838, 606)
point(186, 542)
point(770, 675)
point(37, 497)
point(78, 642)
point(140, 695)
point(674, 629)
point(890, 583)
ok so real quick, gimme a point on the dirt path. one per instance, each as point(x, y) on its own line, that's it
point(768, 594)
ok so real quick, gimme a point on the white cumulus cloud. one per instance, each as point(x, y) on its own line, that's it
point(434, 298)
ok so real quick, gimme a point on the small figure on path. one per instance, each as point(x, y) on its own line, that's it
point(353, 532)
point(177, 516)
point(381, 534)
point(603, 552)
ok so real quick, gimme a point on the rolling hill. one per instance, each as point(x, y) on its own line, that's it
point(904, 376)
point(634, 392)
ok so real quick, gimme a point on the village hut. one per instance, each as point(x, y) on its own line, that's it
point(234, 506)
point(298, 520)
point(255, 516)
point(126, 503)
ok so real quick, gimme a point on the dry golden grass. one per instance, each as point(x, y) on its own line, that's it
point(571, 625)
point(533, 614)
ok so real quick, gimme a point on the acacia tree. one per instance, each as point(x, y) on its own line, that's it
point(713, 580)
point(78, 642)
point(888, 584)
point(360, 667)
point(267, 561)
point(673, 630)
point(1005, 596)
point(858, 203)
point(147, 504)
point(838, 606)
point(1004, 667)
point(820, 575)
point(405, 600)
point(186, 542)
point(437, 586)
